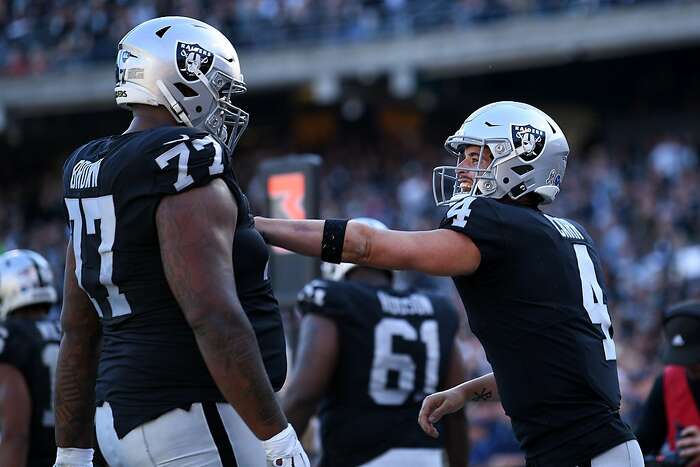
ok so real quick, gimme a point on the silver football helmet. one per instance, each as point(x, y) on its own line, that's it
point(338, 272)
point(25, 279)
point(189, 68)
point(529, 155)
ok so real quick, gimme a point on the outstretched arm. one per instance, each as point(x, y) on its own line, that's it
point(76, 369)
point(196, 230)
point(439, 252)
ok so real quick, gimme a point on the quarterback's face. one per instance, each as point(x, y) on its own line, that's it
point(471, 161)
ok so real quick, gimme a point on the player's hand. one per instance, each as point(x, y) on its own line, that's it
point(689, 445)
point(437, 405)
point(284, 450)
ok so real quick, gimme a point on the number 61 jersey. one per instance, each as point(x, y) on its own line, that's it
point(150, 362)
point(394, 349)
point(537, 303)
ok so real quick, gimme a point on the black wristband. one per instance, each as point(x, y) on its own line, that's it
point(333, 239)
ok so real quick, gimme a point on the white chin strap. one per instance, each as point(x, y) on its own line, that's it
point(174, 106)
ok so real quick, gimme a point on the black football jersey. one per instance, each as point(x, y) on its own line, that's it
point(394, 349)
point(150, 362)
point(537, 303)
point(31, 346)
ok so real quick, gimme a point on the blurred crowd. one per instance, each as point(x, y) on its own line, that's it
point(639, 204)
point(40, 35)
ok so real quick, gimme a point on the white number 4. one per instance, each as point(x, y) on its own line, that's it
point(460, 211)
point(593, 298)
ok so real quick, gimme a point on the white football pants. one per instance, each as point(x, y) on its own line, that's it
point(208, 435)
point(407, 457)
point(626, 454)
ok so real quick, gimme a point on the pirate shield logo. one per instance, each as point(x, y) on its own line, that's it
point(192, 57)
point(528, 141)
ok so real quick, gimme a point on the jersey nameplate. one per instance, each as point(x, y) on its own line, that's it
point(565, 228)
point(414, 304)
point(85, 174)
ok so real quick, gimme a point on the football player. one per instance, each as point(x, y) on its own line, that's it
point(180, 359)
point(531, 283)
point(370, 354)
point(28, 351)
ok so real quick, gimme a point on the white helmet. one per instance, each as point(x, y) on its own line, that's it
point(529, 150)
point(338, 272)
point(25, 279)
point(189, 68)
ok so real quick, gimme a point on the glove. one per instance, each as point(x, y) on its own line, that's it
point(284, 450)
point(74, 457)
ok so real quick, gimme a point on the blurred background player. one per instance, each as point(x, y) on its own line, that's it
point(670, 422)
point(157, 333)
point(369, 354)
point(28, 351)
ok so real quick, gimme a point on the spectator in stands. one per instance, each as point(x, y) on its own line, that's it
point(72, 32)
point(672, 413)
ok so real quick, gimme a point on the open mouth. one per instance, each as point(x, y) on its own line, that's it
point(465, 182)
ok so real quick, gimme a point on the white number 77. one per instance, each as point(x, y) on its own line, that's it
point(182, 152)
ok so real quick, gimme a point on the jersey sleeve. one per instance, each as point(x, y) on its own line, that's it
point(322, 298)
point(478, 219)
point(186, 159)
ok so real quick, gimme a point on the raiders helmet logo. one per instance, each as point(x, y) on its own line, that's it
point(192, 57)
point(528, 141)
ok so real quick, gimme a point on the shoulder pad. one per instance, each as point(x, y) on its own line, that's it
point(13, 343)
point(184, 158)
point(322, 297)
point(479, 219)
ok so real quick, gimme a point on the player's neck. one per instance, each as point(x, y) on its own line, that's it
point(146, 117)
point(524, 202)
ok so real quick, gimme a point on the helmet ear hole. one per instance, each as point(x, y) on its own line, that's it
point(522, 169)
point(185, 90)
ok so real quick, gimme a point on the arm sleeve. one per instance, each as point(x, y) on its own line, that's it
point(651, 431)
point(478, 219)
point(320, 297)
